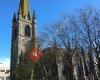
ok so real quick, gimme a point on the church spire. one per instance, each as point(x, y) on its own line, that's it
point(14, 19)
point(24, 9)
point(34, 23)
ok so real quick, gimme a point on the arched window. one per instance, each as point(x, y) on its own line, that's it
point(27, 30)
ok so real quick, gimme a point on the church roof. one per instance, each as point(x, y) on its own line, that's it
point(24, 8)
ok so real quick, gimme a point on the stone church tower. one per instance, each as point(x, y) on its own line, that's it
point(23, 31)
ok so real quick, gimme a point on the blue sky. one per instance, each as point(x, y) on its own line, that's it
point(47, 11)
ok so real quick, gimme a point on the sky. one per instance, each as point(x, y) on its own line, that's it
point(47, 12)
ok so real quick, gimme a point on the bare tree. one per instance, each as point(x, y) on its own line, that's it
point(69, 34)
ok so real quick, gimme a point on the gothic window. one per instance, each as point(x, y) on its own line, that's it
point(27, 30)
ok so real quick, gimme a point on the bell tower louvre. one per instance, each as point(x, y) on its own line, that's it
point(23, 31)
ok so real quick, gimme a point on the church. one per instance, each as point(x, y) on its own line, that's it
point(23, 31)
point(54, 65)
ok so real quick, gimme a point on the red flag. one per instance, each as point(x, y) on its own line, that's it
point(35, 55)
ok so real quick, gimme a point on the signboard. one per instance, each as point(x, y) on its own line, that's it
point(35, 55)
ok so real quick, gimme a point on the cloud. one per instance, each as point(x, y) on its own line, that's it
point(4, 63)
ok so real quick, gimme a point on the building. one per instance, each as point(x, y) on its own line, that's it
point(4, 72)
point(23, 32)
point(66, 64)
